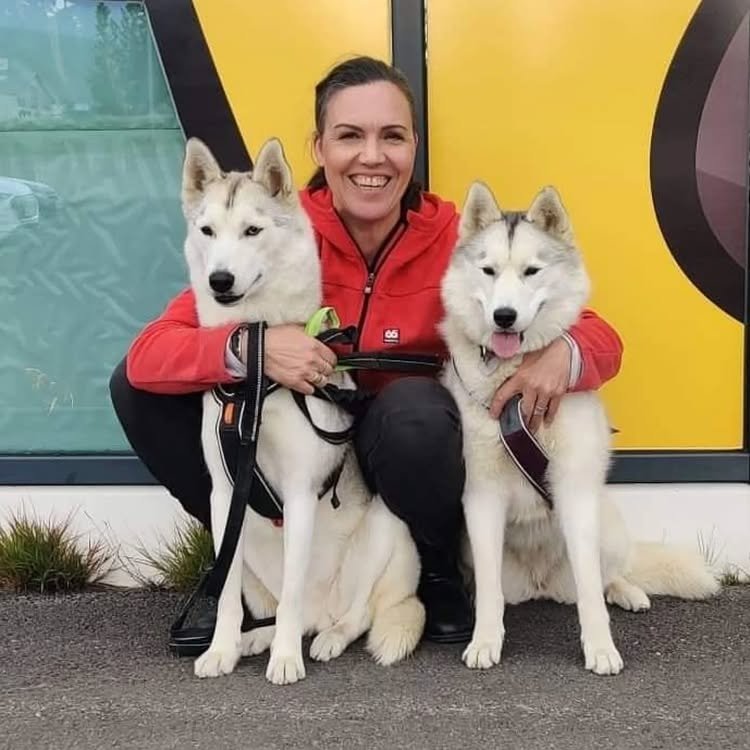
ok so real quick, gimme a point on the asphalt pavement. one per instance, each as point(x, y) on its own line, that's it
point(93, 671)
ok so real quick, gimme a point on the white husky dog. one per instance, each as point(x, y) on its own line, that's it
point(517, 282)
point(338, 572)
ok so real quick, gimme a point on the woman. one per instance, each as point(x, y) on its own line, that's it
point(384, 246)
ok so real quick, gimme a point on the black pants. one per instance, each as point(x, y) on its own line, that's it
point(409, 447)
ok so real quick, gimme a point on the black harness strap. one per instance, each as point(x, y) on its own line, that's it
point(231, 400)
point(354, 400)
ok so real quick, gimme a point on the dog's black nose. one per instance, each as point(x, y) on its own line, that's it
point(221, 281)
point(504, 317)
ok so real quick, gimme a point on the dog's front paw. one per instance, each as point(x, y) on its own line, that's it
point(328, 644)
point(285, 667)
point(483, 652)
point(602, 658)
point(256, 641)
point(217, 661)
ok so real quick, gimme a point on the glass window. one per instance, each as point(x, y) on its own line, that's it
point(91, 229)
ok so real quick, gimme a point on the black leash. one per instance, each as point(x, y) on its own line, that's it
point(213, 580)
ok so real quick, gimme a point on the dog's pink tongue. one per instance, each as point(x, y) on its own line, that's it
point(506, 345)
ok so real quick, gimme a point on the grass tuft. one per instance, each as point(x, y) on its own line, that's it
point(180, 562)
point(46, 557)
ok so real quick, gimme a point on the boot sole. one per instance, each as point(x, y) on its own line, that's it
point(459, 637)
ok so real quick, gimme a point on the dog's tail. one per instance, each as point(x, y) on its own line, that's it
point(396, 631)
point(670, 570)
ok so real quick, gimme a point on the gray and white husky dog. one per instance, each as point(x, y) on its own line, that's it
point(516, 282)
point(338, 573)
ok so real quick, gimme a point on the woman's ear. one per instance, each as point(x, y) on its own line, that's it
point(317, 150)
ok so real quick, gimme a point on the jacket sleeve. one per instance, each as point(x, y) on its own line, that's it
point(173, 354)
point(601, 351)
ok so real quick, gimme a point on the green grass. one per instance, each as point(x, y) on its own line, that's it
point(46, 557)
point(180, 562)
point(734, 576)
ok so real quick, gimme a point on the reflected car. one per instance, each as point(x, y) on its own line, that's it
point(19, 206)
point(48, 198)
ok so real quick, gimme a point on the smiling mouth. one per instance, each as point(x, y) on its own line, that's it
point(227, 299)
point(370, 182)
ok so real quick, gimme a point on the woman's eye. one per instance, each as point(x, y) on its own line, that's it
point(348, 136)
point(207, 231)
point(252, 230)
point(394, 137)
point(488, 270)
point(530, 271)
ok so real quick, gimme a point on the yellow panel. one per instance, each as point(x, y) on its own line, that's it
point(523, 94)
point(270, 55)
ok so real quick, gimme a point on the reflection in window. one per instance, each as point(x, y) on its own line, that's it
point(90, 223)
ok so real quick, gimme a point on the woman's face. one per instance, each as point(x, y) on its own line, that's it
point(367, 151)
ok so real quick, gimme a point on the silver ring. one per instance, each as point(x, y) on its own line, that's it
point(319, 378)
point(541, 409)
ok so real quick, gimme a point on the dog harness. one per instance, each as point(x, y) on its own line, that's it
point(233, 411)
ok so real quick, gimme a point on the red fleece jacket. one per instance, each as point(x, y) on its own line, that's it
point(396, 306)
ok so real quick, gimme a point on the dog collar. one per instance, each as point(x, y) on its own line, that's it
point(490, 362)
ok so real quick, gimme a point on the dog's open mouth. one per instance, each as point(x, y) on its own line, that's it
point(228, 299)
point(506, 344)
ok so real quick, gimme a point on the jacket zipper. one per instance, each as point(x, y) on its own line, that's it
point(377, 262)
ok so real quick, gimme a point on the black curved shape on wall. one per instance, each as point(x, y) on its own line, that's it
point(199, 97)
point(674, 182)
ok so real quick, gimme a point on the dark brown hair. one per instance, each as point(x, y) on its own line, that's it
point(359, 71)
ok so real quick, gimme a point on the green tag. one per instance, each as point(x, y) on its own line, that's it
point(325, 316)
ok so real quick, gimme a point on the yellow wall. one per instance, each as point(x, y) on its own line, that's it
point(522, 94)
point(270, 55)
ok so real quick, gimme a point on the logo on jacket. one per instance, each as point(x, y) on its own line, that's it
point(391, 335)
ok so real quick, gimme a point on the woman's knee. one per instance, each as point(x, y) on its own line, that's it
point(417, 417)
point(412, 429)
point(165, 432)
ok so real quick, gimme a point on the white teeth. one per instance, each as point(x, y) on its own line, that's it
point(370, 181)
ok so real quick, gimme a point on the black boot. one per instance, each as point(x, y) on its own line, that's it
point(194, 640)
point(450, 613)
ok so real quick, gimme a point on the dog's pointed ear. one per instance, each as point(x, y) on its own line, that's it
point(479, 211)
point(199, 169)
point(549, 214)
point(273, 171)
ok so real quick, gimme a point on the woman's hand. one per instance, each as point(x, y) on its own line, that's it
point(295, 360)
point(542, 379)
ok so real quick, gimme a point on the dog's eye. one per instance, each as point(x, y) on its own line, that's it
point(531, 270)
point(207, 231)
point(251, 231)
point(489, 270)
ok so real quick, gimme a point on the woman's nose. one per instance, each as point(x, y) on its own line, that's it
point(372, 153)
